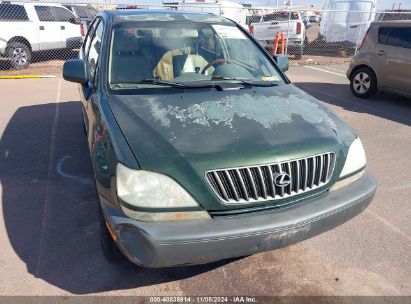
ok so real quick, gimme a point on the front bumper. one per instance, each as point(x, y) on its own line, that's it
point(162, 244)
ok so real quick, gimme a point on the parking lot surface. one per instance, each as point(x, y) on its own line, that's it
point(49, 210)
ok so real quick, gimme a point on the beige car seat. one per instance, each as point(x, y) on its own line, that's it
point(176, 62)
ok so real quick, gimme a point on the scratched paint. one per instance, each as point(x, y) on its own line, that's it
point(266, 111)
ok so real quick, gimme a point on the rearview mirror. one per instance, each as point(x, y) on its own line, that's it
point(282, 62)
point(75, 70)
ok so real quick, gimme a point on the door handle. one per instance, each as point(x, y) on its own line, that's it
point(380, 52)
point(41, 27)
point(62, 27)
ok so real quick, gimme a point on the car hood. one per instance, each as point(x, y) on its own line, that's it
point(185, 133)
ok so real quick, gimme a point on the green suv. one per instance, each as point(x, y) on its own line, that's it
point(202, 149)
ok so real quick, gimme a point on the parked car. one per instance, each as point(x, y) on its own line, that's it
point(383, 61)
point(202, 148)
point(306, 22)
point(314, 18)
point(289, 23)
point(30, 27)
point(85, 13)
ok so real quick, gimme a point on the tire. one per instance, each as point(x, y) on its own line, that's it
point(109, 248)
point(363, 83)
point(306, 41)
point(299, 53)
point(20, 55)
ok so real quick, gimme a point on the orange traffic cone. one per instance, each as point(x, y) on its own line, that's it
point(282, 43)
point(277, 37)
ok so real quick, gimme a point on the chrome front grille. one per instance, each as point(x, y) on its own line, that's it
point(257, 183)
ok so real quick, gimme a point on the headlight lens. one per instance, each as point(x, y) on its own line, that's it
point(355, 159)
point(151, 190)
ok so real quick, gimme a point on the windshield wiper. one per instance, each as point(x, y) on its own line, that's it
point(169, 83)
point(154, 82)
point(248, 82)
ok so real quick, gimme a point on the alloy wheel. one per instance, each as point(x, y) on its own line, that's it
point(361, 83)
point(19, 56)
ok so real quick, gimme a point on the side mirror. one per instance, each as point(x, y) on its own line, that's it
point(282, 62)
point(75, 70)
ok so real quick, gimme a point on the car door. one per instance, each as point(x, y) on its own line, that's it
point(49, 32)
point(394, 63)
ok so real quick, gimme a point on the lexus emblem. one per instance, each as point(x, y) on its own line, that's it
point(281, 179)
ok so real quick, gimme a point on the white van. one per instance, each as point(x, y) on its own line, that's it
point(29, 27)
point(227, 9)
point(346, 20)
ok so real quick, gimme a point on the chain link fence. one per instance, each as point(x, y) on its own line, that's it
point(36, 38)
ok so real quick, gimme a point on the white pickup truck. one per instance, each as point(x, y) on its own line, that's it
point(29, 27)
point(290, 23)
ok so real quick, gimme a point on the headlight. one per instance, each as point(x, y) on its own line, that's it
point(355, 159)
point(146, 189)
point(355, 162)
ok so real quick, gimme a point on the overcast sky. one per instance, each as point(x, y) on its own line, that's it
point(381, 4)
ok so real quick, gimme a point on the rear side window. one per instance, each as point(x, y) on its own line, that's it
point(400, 37)
point(61, 14)
point(53, 14)
point(13, 12)
point(383, 34)
point(44, 13)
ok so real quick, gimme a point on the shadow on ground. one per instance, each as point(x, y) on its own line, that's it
point(50, 206)
point(388, 106)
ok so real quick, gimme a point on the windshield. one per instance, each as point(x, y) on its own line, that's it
point(184, 52)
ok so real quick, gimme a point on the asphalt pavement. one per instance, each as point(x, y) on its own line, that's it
point(49, 217)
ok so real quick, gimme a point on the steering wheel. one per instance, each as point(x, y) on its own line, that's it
point(210, 64)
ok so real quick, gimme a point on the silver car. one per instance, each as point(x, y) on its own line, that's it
point(383, 62)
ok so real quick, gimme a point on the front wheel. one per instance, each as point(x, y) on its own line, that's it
point(20, 55)
point(363, 83)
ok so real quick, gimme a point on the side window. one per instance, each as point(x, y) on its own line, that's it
point(383, 34)
point(44, 13)
point(61, 14)
point(94, 52)
point(13, 12)
point(400, 36)
point(89, 36)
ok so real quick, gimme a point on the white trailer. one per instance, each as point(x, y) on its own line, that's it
point(346, 20)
